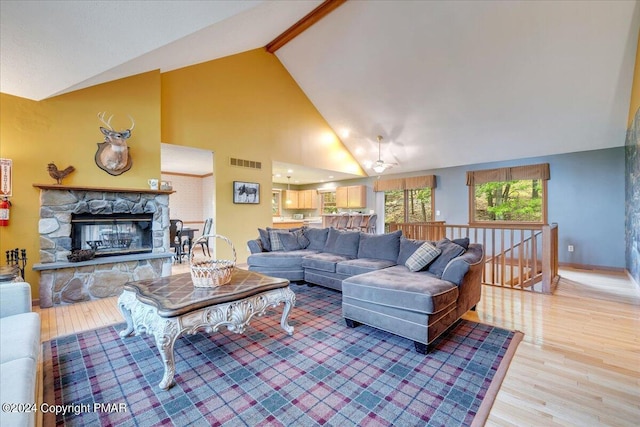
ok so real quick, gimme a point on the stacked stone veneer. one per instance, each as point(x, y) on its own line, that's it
point(632, 198)
point(66, 283)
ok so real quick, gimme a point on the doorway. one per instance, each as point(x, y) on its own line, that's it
point(190, 174)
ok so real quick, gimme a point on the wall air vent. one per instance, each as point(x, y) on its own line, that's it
point(251, 164)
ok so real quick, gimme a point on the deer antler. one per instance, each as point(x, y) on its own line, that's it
point(108, 122)
point(133, 124)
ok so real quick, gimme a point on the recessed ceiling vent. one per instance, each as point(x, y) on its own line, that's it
point(251, 164)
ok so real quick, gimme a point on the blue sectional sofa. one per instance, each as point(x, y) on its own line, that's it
point(19, 353)
point(416, 289)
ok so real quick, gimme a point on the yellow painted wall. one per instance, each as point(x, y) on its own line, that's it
point(247, 106)
point(65, 130)
point(635, 89)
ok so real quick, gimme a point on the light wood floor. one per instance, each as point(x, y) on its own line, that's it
point(578, 364)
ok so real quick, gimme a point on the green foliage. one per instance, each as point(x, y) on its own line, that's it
point(519, 201)
point(418, 205)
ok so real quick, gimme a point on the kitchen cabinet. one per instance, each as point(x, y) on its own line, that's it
point(353, 196)
point(310, 199)
point(300, 199)
point(291, 199)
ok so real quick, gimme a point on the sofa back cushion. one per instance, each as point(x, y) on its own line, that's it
point(380, 246)
point(407, 248)
point(317, 238)
point(450, 250)
point(264, 238)
point(342, 242)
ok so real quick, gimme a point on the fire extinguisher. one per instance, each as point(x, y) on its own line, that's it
point(5, 204)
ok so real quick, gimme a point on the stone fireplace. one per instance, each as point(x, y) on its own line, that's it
point(127, 228)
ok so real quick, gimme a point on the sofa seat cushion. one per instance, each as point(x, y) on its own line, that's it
point(324, 261)
point(398, 287)
point(18, 385)
point(279, 259)
point(353, 267)
point(20, 335)
point(293, 274)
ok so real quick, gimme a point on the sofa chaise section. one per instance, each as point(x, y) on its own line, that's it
point(416, 305)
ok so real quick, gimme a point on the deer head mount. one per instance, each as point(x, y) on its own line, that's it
point(113, 153)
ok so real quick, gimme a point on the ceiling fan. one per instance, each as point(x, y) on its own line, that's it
point(380, 166)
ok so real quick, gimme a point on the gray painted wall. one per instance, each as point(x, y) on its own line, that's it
point(586, 200)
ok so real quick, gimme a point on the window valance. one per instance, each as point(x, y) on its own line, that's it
point(539, 171)
point(411, 183)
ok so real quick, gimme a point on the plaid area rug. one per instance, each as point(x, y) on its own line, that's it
point(325, 374)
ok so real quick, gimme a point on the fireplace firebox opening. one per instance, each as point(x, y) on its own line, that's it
point(112, 234)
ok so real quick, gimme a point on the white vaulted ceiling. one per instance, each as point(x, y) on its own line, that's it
point(444, 82)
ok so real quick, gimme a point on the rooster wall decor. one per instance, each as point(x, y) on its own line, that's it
point(57, 174)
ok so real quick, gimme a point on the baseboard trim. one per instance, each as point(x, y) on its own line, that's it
point(632, 279)
point(592, 267)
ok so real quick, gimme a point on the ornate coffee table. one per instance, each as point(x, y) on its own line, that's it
point(169, 307)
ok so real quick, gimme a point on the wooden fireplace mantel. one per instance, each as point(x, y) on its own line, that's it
point(100, 189)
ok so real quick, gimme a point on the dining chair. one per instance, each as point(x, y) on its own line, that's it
point(206, 230)
point(175, 238)
point(356, 220)
point(368, 224)
point(332, 221)
point(343, 221)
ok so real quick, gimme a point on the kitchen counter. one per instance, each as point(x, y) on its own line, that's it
point(287, 222)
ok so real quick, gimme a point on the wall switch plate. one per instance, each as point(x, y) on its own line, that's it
point(437, 213)
point(570, 248)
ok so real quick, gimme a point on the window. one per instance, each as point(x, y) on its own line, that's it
point(415, 205)
point(516, 195)
point(275, 202)
point(408, 199)
point(328, 199)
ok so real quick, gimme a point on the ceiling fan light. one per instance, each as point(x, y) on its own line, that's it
point(379, 168)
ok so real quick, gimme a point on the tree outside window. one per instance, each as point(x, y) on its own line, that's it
point(402, 206)
point(516, 195)
point(518, 201)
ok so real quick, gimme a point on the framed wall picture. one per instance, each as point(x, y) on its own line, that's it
point(246, 192)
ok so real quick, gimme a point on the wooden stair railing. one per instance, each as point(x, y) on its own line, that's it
point(524, 258)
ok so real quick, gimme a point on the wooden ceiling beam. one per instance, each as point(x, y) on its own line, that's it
point(307, 21)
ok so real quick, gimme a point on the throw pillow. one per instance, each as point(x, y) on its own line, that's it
point(450, 251)
point(283, 240)
point(407, 248)
point(380, 246)
point(264, 238)
point(342, 242)
point(274, 237)
point(425, 254)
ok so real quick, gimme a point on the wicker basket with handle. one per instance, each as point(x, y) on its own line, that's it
point(209, 272)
